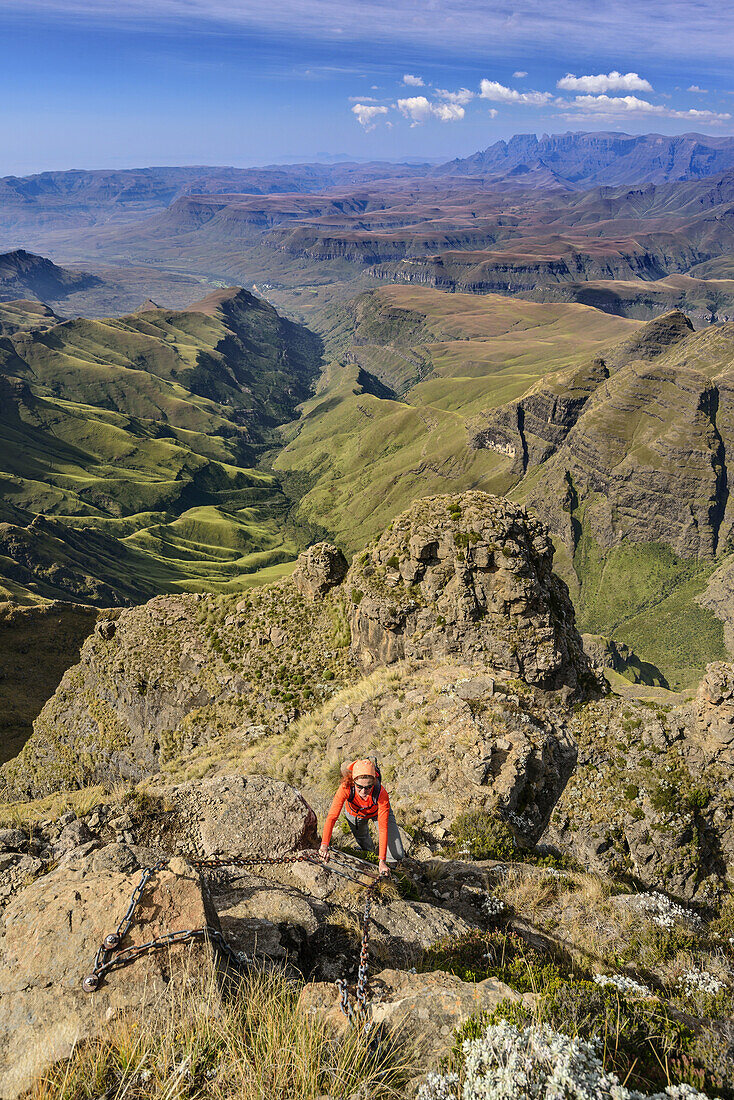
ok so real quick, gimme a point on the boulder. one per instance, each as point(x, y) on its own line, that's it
point(455, 741)
point(424, 1008)
point(49, 937)
point(467, 576)
point(318, 569)
point(239, 815)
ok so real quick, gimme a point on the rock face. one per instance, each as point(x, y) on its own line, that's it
point(241, 815)
point(713, 712)
point(609, 653)
point(49, 940)
point(450, 740)
point(37, 646)
point(320, 568)
point(469, 576)
point(651, 794)
point(165, 677)
point(425, 1008)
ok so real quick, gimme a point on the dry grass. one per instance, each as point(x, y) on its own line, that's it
point(20, 815)
point(254, 1044)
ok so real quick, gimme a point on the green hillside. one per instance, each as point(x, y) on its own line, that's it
point(613, 431)
point(370, 452)
point(128, 450)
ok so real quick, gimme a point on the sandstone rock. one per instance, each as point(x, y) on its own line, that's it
point(169, 683)
point(425, 1008)
point(240, 816)
point(320, 568)
point(713, 711)
point(609, 653)
point(476, 583)
point(48, 941)
point(462, 745)
point(71, 836)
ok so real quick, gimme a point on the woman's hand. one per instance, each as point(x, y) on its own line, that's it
point(383, 868)
point(324, 852)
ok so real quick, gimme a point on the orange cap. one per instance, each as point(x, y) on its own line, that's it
point(364, 767)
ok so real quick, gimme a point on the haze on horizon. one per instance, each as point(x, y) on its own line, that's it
point(97, 83)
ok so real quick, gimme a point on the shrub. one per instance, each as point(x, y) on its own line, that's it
point(482, 836)
point(503, 955)
point(536, 1063)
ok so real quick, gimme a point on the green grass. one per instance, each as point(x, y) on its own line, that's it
point(128, 437)
point(369, 457)
point(643, 595)
point(254, 1042)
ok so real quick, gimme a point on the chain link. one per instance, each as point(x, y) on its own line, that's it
point(109, 956)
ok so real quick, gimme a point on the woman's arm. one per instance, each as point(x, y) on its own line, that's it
point(383, 813)
point(336, 808)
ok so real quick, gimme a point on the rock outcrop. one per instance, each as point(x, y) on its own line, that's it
point(651, 794)
point(48, 942)
point(318, 569)
point(713, 713)
point(467, 576)
point(238, 815)
point(424, 1008)
point(172, 674)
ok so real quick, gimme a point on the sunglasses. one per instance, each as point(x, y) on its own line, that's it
point(365, 786)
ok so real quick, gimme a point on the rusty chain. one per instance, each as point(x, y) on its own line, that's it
point(359, 1013)
point(109, 956)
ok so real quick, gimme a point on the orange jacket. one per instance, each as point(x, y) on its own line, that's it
point(360, 807)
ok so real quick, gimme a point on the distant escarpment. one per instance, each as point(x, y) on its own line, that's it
point(616, 433)
point(25, 275)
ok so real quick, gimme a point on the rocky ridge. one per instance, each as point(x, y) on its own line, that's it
point(230, 718)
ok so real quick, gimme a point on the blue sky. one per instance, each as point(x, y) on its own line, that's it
point(123, 83)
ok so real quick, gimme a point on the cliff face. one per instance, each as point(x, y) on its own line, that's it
point(37, 646)
point(466, 576)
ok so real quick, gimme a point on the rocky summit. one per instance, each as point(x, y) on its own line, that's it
point(470, 576)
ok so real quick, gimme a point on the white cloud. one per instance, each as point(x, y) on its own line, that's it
point(363, 99)
point(462, 97)
point(519, 74)
point(448, 112)
point(413, 81)
point(630, 104)
point(499, 93)
point(493, 112)
point(367, 115)
point(699, 91)
point(418, 109)
point(604, 82)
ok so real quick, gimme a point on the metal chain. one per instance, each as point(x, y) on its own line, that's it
point(360, 1013)
point(109, 957)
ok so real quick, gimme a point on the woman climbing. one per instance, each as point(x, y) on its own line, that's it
point(366, 799)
